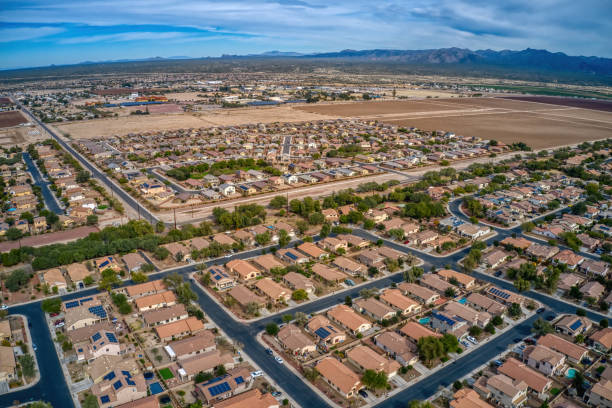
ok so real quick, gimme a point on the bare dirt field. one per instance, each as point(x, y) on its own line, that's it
point(535, 129)
point(605, 106)
point(220, 117)
point(509, 120)
point(11, 118)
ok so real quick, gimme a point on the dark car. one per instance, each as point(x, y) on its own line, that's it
point(529, 340)
point(517, 340)
point(363, 393)
point(498, 273)
point(269, 351)
point(540, 310)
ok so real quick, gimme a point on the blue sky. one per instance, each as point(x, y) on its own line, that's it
point(38, 33)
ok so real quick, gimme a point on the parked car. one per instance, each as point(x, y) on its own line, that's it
point(349, 282)
point(472, 340)
point(276, 394)
point(465, 344)
point(3, 307)
point(498, 363)
point(279, 360)
point(541, 310)
point(256, 374)
point(363, 393)
point(269, 351)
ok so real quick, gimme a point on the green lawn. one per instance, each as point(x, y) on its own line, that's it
point(166, 374)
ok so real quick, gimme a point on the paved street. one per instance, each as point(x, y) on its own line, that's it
point(50, 200)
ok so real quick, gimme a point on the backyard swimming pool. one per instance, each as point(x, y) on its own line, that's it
point(155, 388)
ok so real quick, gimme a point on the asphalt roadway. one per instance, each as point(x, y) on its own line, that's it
point(53, 387)
point(138, 208)
point(50, 200)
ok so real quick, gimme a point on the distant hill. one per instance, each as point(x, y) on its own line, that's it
point(528, 64)
point(529, 59)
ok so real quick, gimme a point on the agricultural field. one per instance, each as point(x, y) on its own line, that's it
point(11, 118)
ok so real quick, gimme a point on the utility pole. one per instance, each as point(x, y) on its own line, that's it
point(175, 218)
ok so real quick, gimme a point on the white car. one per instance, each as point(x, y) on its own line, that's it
point(61, 324)
point(256, 374)
point(279, 360)
point(3, 307)
point(472, 340)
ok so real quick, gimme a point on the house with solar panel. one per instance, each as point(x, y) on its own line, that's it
point(234, 382)
point(448, 323)
point(326, 333)
point(292, 256)
point(505, 297)
point(83, 312)
point(573, 325)
point(119, 387)
point(220, 278)
point(101, 343)
point(107, 262)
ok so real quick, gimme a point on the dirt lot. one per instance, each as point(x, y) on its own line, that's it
point(11, 118)
point(219, 117)
point(539, 124)
point(605, 106)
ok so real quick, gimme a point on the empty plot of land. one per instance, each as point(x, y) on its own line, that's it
point(358, 109)
point(11, 118)
point(605, 106)
point(538, 130)
point(152, 123)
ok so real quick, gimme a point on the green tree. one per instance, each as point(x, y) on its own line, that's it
point(272, 329)
point(139, 277)
point(325, 230)
point(515, 310)
point(278, 202)
point(90, 401)
point(53, 305)
point(299, 294)
point(160, 227)
point(28, 365)
point(375, 380)
point(541, 327)
point(109, 280)
point(283, 238)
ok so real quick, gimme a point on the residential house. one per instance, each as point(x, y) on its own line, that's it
point(544, 359)
point(292, 256)
point(401, 303)
point(244, 269)
point(398, 347)
point(600, 394)
point(325, 331)
point(339, 377)
point(295, 341)
point(572, 351)
point(201, 342)
point(179, 328)
point(267, 262)
point(347, 318)
point(297, 281)
point(119, 387)
point(602, 339)
point(272, 290)
point(204, 362)
point(313, 251)
point(133, 261)
point(537, 383)
point(220, 278)
point(252, 399)
point(374, 308)
point(224, 387)
point(155, 301)
point(244, 296)
point(349, 266)
point(420, 293)
point(507, 392)
point(573, 325)
point(55, 278)
point(462, 280)
point(367, 359)
point(165, 315)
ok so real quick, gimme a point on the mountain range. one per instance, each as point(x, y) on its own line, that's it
point(527, 64)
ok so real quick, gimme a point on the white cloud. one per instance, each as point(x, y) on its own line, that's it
point(27, 33)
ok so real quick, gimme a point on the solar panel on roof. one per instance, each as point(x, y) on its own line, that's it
point(218, 389)
point(70, 305)
point(111, 337)
point(291, 255)
point(96, 336)
point(217, 277)
point(239, 380)
point(98, 311)
point(126, 373)
point(576, 325)
point(104, 399)
point(87, 299)
point(322, 332)
point(109, 376)
point(117, 385)
point(129, 382)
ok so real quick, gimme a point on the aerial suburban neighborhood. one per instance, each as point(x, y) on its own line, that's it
point(190, 220)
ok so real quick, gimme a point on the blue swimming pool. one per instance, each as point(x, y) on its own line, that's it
point(149, 375)
point(155, 388)
point(424, 320)
point(462, 301)
point(571, 373)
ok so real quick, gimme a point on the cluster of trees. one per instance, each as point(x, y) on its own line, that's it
point(431, 348)
point(348, 150)
point(16, 279)
point(121, 301)
point(221, 167)
point(242, 216)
